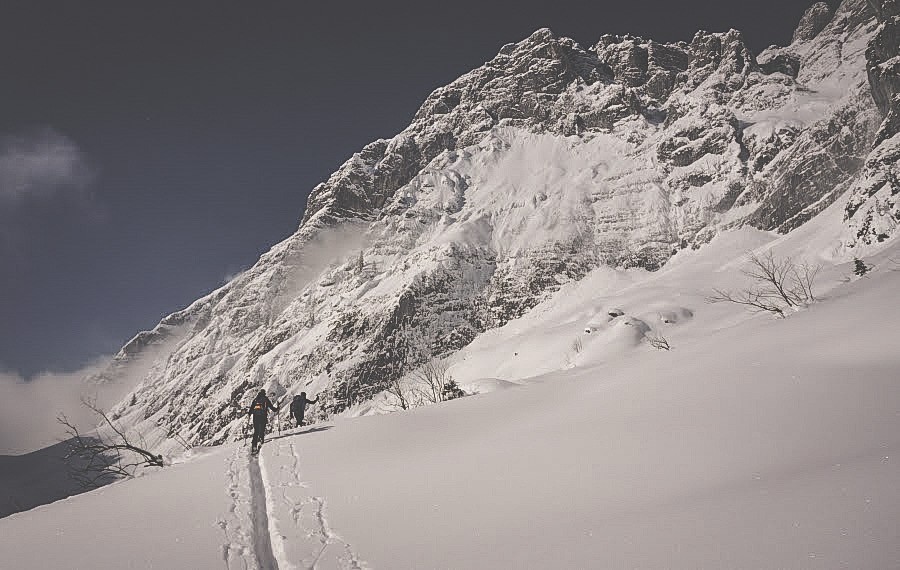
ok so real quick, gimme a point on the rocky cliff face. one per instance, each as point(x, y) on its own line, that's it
point(522, 175)
point(813, 21)
point(873, 210)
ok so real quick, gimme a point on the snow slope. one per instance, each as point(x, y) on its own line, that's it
point(753, 443)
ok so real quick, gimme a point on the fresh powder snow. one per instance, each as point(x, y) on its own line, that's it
point(753, 442)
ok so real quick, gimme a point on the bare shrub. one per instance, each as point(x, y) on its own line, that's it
point(99, 459)
point(434, 382)
point(658, 342)
point(401, 394)
point(777, 285)
point(577, 345)
point(416, 375)
point(406, 347)
point(431, 378)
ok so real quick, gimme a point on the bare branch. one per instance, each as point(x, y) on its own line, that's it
point(802, 277)
point(399, 392)
point(658, 341)
point(771, 272)
point(181, 441)
point(755, 300)
point(99, 459)
point(779, 285)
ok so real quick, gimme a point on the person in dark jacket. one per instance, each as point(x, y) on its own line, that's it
point(298, 407)
point(259, 409)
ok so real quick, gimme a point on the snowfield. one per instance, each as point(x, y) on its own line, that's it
point(754, 443)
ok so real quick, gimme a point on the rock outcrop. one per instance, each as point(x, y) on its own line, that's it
point(813, 21)
point(873, 209)
point(524, 174)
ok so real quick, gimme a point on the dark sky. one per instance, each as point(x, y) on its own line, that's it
point(150, 149)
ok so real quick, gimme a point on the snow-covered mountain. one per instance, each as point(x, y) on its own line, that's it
point(522, 176)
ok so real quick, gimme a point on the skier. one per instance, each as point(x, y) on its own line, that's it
point(259, 409)
point(298, 407)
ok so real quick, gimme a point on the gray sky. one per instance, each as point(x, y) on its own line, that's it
point(147, 152)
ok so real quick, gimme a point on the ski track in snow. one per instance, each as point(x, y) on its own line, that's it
point(273, 521)
point(312, 543)
point(262, 539)
point(237, 551)
point(248, 544)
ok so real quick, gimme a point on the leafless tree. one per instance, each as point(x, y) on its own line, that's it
point(755, 299)
point(658, 341)
point(777, 285)
point(399, 345)
point(102, 458)
point(400, 392)
point(431, 378)
point(577, 345)
point(417, 376)
point(803, 277)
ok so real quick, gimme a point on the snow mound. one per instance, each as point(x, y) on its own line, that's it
point(673, 314)
point(486, 385)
